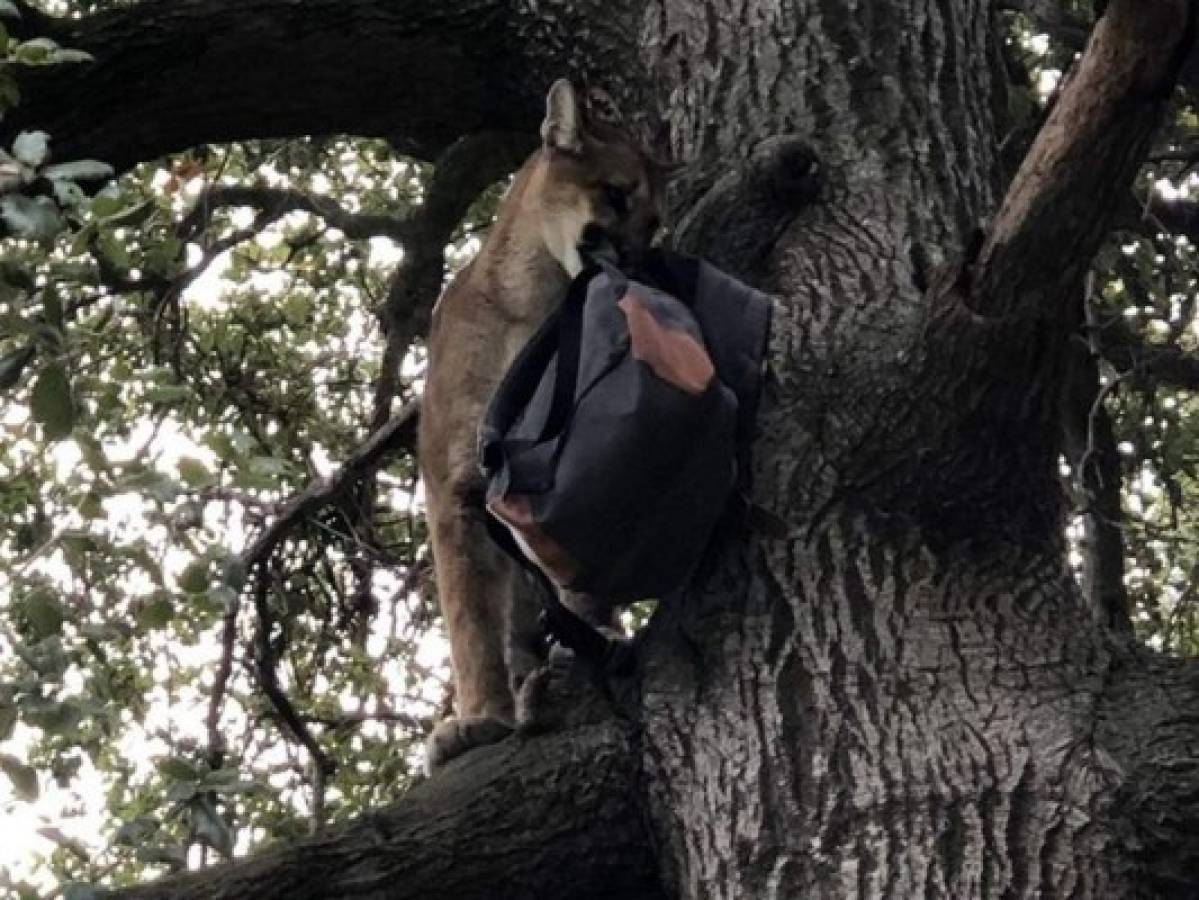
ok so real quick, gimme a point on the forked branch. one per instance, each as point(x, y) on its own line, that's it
point(1064, 198)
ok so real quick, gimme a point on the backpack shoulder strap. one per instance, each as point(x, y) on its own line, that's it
point(561, 333)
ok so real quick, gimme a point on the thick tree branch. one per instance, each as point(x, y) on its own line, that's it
point(549, 817)
point(229, 70)
point(1061, 203)
point(999, 321)
point(171, 75)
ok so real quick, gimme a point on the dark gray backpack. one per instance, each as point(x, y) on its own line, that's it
point(612, 445)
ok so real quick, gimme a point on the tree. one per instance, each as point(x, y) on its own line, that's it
point(887, 681)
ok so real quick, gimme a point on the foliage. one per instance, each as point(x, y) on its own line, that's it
point(147, 433)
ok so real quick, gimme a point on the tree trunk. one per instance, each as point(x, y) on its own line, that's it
point(906, 695)
point(886, 682)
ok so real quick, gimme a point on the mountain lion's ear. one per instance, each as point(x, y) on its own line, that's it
point(561, 129)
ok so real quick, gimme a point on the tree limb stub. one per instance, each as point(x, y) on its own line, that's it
point(580, 835)
point(1061, 203)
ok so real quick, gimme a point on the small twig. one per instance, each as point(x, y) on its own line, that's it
point(274, 203)
point(399, 433)
point(423, 724)
point(216, 699)
point(266, 667)
point(1092, 419)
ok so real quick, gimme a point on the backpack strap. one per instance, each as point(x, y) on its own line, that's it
point(570, 349)
point(561, 333)
point(520, 383)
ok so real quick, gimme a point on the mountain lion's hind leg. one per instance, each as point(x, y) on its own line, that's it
point(475, 584)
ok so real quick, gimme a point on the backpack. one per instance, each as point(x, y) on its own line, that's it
point(613, 443)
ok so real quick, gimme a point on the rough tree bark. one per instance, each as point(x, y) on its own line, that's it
point(895, 688)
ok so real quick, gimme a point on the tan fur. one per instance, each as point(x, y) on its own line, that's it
point(483, 319)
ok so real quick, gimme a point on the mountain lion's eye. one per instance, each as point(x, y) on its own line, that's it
point(617, 198)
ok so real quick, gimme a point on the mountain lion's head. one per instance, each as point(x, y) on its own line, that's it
point(593, 187)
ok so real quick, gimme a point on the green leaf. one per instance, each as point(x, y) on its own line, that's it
point(100, 633)
point(93, 452)
point(136, 832)
point(69, 55)
point(67, 193)
point(165, 258)
point(297, 309)
point(223, 595)
point(167, 393)
point(64, 768)
point(83, 239)
point(52, 307)
point(77, 890)
point(181, 791)
point(141, 557)
point(210, 826)
point(31, 147)
point(195, 577)
point(35, 52)
point(267, 465)
point(36, 218)
point(12, 366)
point(115, 213)
point(51, 402)
point(10, 94)
point(44, 613)
point(175, 857)
point(85, 169)
point(234, 573)
point(177, 768)
point(222, 446)
point(194, 473)
point(156, 613)
point(226, 781)
point(57, 718)
point(152, 483)
point(23, 777)
point(8, 720)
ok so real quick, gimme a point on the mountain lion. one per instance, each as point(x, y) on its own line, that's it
point(588, 186)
